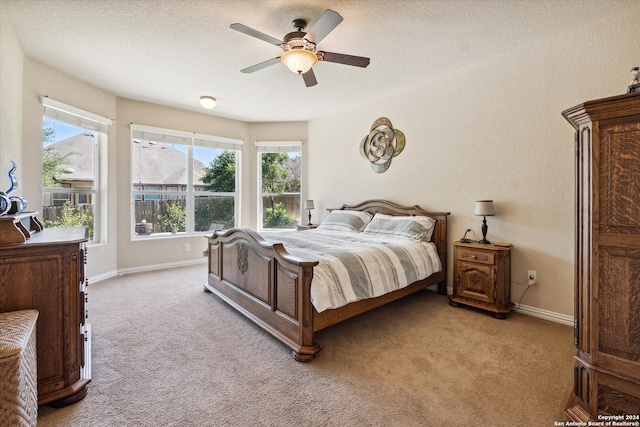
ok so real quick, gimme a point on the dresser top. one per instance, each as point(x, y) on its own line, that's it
point(498, 246)
point(52, 235)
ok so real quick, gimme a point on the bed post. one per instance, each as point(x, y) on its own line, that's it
point(440, 239)
point(308, 349)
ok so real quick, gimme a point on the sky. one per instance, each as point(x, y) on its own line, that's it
point(62, 131)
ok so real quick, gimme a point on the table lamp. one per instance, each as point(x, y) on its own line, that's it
point(308, 204)
point(484, 208)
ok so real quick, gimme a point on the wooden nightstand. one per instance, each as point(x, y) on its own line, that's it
point(482, 277)
point(300, 227)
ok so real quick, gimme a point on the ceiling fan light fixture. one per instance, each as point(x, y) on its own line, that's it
point(299, 60)
point(208, 102)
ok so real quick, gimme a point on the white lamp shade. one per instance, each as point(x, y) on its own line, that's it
point(299, 60)
point(208, 102)
point(308, 204)
point(484, 208)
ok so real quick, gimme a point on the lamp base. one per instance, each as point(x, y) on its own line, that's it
point(484, 240)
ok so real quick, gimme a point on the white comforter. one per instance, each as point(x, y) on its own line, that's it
point(356, 266)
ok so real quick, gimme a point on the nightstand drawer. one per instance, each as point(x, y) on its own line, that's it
point(476, 256)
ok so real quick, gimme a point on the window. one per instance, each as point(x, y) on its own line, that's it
point(59, 199)
point(279, 172)
point(183, 183)
point(72, 141)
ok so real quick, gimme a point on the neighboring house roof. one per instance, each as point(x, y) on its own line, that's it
point(153, 163)
point(78, 151)
point(162, 164)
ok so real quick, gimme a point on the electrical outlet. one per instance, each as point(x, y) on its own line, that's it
point(187, 248)
point(531, 277)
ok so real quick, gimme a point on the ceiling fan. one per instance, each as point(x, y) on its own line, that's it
point(299, 48)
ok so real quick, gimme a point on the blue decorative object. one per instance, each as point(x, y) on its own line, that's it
point(11, 204)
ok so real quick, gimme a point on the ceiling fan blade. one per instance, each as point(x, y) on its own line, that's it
point(310, 78)
point(341, 58)
point(261, 65)
point(323, 26)
point(255, 33)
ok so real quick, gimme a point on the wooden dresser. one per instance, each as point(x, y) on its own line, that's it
point(47, 273)
point(607, 264)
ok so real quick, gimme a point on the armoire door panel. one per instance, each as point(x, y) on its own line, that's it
point(618, 299)
point(620, 178)
point(615, 397)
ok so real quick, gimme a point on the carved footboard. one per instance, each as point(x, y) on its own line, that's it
point(266, 284)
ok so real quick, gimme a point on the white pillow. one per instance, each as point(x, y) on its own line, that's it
point(411, 227)
point(343, 220)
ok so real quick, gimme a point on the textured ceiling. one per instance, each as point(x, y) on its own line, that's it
point(171, 52)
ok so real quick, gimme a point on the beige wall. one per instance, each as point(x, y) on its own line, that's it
point(493, 130)
point(11, 59)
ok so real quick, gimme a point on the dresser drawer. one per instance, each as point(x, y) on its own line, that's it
point(475, 256)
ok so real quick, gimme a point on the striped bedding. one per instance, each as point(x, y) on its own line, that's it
point(356, 266)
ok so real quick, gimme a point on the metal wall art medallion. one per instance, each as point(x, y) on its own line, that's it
point(382, 144)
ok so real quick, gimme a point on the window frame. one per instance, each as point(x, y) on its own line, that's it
point(263, 147)
point(73, 116)
point(177, 191)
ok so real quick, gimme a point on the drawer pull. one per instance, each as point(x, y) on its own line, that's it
point(474, 257)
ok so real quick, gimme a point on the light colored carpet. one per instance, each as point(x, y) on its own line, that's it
point(165, 353)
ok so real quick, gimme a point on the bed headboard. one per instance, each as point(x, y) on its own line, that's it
point(386, 207)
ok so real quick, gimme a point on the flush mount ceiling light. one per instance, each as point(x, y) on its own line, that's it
point(208, 102)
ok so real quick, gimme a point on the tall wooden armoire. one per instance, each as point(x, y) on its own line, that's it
point(607, 264)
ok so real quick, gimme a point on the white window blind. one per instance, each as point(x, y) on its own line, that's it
point(278, 146)
point(171, 136)
point(216, 142)
point(74, 116)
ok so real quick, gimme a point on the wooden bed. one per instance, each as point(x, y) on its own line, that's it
point(273, 288)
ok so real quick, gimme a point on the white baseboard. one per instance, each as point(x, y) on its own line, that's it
point(545, 314)
point(161, 266)
point(143, 268)
point(103, 276)
point(539, 313)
